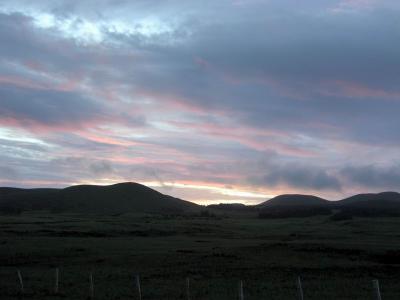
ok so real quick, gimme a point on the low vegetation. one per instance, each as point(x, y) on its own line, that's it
point(336, 259)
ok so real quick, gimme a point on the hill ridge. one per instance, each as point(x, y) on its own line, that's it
point(115, 198)
point(297, 205)
point(135, 197)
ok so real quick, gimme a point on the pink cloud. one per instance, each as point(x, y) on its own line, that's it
point(169, 101)
point(67, 85)
point(255, 138)
point(35, 66)
point(42, 128)
point(356, 90)
point(105, 139)
point(23, 82)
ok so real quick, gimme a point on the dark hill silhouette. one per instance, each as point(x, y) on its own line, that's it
point(386, 204)
point(294, 200)
point(134, 197)
point(294, 205)
point(118, 198)
point(368, 199)
point(370, 205)
point(15, 200)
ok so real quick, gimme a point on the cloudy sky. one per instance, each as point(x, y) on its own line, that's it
point(211, 101)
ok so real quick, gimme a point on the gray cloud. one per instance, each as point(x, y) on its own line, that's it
point(270, 71)
point(323, 82)
point(372, 176)
point(308, 73)
point(296, 176)
point(7, 172)
point(47, 107)
point(101, 168)
point(86, 167)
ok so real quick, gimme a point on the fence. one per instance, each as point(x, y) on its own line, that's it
point(376, 291)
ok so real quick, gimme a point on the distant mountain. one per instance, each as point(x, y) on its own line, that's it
point(294, 206)
point(386, 204)
point(134, 197)
point(118, 198)
point(368, 199)
point(294, 200)
point(370, 205)
point(16, 200)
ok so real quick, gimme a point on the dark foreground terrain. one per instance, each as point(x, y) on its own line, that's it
point(336, 259)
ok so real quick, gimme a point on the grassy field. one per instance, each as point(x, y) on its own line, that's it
point(336, 260)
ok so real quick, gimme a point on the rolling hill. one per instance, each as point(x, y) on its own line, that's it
point(294, 200)
point(118, 198)
point(134, 197)
point(294, 205)
point(370, 205)
point(371, 199)
point(386, 204)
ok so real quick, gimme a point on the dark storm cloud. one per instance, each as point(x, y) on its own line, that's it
point(50, 108)
point(302, 47)
point(365, 177)
point(25, 43)
point(372, 176)
point(299, 176)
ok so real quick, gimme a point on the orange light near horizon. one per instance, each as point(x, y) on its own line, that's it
point(219, 190)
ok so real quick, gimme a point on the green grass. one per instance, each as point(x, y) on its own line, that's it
point(337, 260)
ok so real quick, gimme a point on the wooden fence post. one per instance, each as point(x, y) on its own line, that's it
point(377, 290)
point(300, 288)
point(56, 281)
point(21, 282)
point(188, 288)
point(241, 294)
point(138, 287)
point(91, 282)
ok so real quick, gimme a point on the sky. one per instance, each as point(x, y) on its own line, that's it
point(210, 101)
